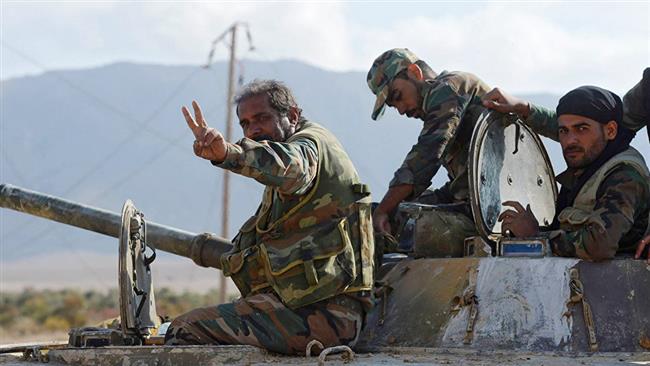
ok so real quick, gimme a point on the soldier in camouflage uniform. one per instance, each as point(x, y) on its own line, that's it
point(449, 105)
point(636, 107)
point(304, 262)
point(606, 188)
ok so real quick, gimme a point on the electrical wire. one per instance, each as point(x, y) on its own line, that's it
point(139, 125)
point(19, 175)
point(119, 147)
point(132, 174)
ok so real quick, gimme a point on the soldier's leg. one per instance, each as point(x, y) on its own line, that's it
point(262, 320)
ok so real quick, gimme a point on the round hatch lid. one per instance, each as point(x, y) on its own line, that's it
point(508, 162)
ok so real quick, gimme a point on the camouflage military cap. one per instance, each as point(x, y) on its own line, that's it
point(382, 72)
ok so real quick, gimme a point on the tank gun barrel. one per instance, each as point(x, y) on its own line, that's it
point(204, 249)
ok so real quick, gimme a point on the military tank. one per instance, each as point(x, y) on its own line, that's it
point(503, 300)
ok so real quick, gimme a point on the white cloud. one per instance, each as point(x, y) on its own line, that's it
point(521, 47)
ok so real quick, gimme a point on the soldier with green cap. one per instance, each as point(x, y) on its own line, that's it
point(303, 262)
point(448, 105)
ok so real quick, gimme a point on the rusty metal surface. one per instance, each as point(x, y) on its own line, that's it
point(521, 305)
point(20, 347)
point(53, 208)
point(618, 293)
point(57, 209)
point(419, 304)
point(143, 355)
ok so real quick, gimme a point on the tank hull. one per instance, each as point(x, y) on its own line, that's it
point(521, 305)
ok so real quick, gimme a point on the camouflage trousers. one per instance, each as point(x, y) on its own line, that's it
point(262, 320)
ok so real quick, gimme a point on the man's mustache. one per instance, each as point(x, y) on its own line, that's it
point(263, 138)
point(574, 148)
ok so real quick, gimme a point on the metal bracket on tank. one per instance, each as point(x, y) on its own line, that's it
point(469, 299)
point(578, 296)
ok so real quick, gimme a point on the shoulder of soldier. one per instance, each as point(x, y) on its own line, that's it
point(460, 81)
point(317, 128)
point(453, 84)
point(626, 178)
point(313, 132)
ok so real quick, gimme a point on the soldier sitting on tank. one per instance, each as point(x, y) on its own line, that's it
point(636, 114)
point(448, 104)
point(304, 262)
point(602, 208)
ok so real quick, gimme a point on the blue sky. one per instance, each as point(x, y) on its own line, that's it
point(520, 46)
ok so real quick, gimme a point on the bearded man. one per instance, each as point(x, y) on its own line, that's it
point(304, 261)
point(603, 206)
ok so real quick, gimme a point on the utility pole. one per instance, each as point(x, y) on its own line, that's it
point(232, 30)
point(226, 173)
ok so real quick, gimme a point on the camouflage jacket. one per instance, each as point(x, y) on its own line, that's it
point(622, 204)
point(636, 105)
point(311, 237)
point(290, 168)
point(451, 105)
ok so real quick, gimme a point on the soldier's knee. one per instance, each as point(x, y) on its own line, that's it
point(192, 317)
point(181, 320)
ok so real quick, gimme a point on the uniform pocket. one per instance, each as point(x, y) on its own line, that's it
point(242, 264)
point(362, 233)
point(573, 216)
point(311, 265)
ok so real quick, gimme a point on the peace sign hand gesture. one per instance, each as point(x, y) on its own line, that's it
point(209, 143)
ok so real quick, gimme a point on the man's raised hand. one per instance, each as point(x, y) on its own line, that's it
point(208, 142)
point(503, 102)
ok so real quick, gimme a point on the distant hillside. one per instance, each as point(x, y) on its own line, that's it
point(102, 135)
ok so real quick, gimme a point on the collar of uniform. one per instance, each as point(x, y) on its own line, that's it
point(569, 177)
point(430, 84)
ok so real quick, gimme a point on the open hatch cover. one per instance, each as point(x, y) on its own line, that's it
point(508, 162)
point(137, 303)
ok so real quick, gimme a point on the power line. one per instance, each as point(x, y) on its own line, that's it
point(126, 178)
point(142, 125)
point(138, 124)
point(232, 46)
point(120, 145)
point(11, 164)
point(118, 148)
point(147, 163)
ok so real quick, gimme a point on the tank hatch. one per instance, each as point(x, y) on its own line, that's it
point(508, 162)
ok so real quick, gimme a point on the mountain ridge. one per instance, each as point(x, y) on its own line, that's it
point(102, 135)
